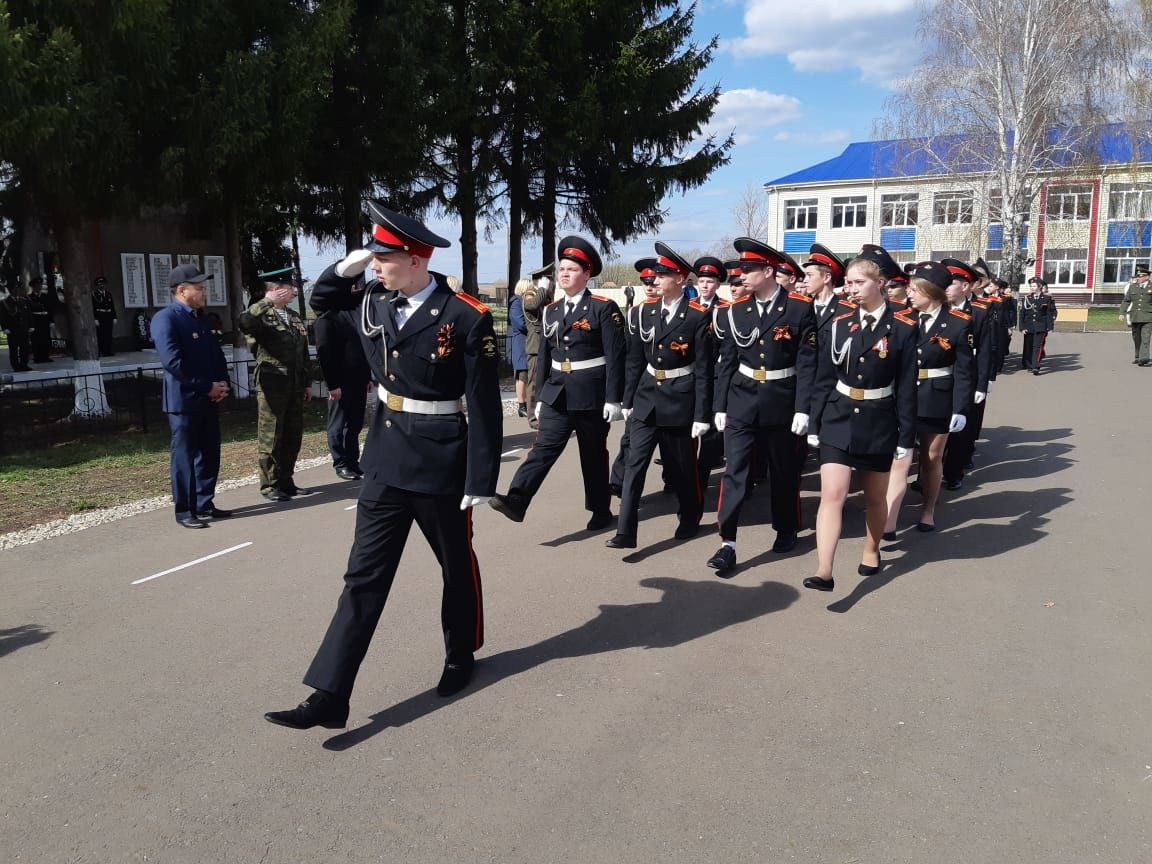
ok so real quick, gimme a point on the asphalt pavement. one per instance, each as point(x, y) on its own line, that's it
point(983, 699)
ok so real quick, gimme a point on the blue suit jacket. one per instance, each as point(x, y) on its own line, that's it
point(191, 356)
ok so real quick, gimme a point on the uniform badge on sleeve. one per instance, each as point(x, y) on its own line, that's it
point(488, 347)
point(971, 340)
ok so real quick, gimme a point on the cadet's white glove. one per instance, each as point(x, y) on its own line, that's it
point(813, 440)
point(980, 397)
point(903, 453)
point(957, 423)
point(720, 421)
point(989, 390)
point(536, 413)
point(699, 429)
point(627, 412)
point(799, 423)
point(474, 501)
point(612, 412)
point(353, 264)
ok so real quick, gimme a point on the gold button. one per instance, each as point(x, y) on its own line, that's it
point(861, 360)
point(659, 383)
point(761, 341)
point(659, 359)
point(855, 410)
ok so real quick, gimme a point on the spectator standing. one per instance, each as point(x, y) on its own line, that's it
point(16, 321)
point(1136, 310)
point(517, 345)
point(536, 298)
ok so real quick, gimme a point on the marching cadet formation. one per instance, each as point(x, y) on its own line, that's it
point(858, 362)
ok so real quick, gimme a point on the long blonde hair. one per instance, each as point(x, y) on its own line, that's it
point(522, 287)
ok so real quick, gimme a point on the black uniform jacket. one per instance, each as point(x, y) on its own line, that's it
point(103, 307)
point(596, 329)
point(949, 342)
point(836, 306)
point(785, 338)
point(1035, 314)
point(685, 342)
point(882, 357)
point(985, 336)
point(446, 350)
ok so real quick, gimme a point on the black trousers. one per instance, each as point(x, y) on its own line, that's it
point(1033, 350)
point(556, 427)
point(784, 454)
point(711, 457)
point(18, 350)
point(961, 445)
point(382, 528)
point(41, 343)
point(104, 336)
point(345, 423)
point(621, 460)
point(679, 449)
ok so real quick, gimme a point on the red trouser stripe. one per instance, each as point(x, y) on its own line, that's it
point(479, 635)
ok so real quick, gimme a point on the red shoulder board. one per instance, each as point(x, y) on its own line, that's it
point(472, 301)
point(692, 304)
point(721, 303)
point(795, 295)
point(960, 313)
point(651, 300)
point(743, 299)
point(598, 297)
point(981, 304)
point(993, 298)
point(845, 315)
point(900, 316)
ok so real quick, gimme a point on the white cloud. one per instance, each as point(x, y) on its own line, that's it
point(747, 111)
point(832, 136)
point(873, 36)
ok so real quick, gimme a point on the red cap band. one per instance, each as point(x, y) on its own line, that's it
point(961, 272)
point(672, 265)
point(382, 235)
point(826, 261)
point(578, 254)
point(708, 268)
point(647, 273)
point(754, 257)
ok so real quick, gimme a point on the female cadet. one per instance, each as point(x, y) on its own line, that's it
point(863, 410)
point(946, 374)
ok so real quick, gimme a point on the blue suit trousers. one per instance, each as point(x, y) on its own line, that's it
point(195, 459)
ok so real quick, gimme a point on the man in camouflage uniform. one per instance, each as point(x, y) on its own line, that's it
point(535, 299)
point(1136, 310)
point(284, 373)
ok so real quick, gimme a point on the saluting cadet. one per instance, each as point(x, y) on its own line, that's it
point(824, 273)
point(710, 275)
point(104, 311)
point(946, 374)
point(581, 386)
point(864, 412)
point(667, 396)
point(767, 342)
point(432, 351)
point(1136, 311)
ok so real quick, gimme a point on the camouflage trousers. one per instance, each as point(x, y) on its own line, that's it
point(279, 428)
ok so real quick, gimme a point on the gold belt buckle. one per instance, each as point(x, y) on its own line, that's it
point(923, 374)
point(565, 365)
point(395, 403)
point(759, 374)
point(659, 374)
point(856, 393)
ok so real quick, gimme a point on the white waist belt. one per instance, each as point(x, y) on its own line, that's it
point(859, 393)
point(665, 374)
point(942, 372)
point(767, 374)
point(418, 406)
point(577, 365)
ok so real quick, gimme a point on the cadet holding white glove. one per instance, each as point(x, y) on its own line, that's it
point(613, 412)
point(698, 429)
point(800, 424)
point(957, 423)
point(720, 421)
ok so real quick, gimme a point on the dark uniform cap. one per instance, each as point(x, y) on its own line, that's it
point(1141, 270)
point(283, 276)
point(187, 273)
point(735, 271)
point(709, 266)
point(934, 272)
point(36, 280)
point(787, 263)
point(395, 232)
point(960, 270)
point(825, 257)
point(573, 248)
point(99, 280)
point(668, 261)
point(982, 269)
point(1002, 284)
point(879, 255)
point(645, 267)
point(547, 270)
point(754, 253)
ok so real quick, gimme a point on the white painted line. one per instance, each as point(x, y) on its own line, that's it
point(353, 507)
point(190, 563)
point(511, 452)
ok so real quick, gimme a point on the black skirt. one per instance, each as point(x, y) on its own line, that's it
point(881, 462)
point(933, 425)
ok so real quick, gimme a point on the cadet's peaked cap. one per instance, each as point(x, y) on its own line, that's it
point(1141, 270)
point(283, 276)
point(395, 232)
point(960, 270)
point(186, 273)
point(934, 272)
point(1001, 284)
point(646, 264)
point(822, 255)
point(880, 257)
point(547, 270)
point(573, 248)
point(735, 271)
point(982, 269)
point(100, 280)
point(787, 263)
point(669, 261)
point(709, 266)
point(754, 252)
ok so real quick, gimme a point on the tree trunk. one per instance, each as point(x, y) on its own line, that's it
point(548, 217)
point(235, 270)
point(517, 192)
point(466, 208)
point(353, 232)
point(91, 400)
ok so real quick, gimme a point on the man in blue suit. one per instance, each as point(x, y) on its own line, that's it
point(195, 379)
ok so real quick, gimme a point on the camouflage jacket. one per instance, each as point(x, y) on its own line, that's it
point(279, 348)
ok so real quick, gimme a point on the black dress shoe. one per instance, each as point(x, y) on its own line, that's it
point(924, 527)
point(1037, 371)
point(889, 535)
point(687, 530)
point(818, 584)
point(191, 522)
point(521, 410)
point(509, 506)
point(724, 559)
point(600, 521)
point(1142, 363)
point(785, 541)
point(319, 709)
point(216, 513)
point(866, 570)
point(276, 495)
point(621, 541)
point(953, 485)
point(294, 490)
point(347, 474)
point(457, 675)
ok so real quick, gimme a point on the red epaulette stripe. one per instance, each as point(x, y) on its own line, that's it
point(472, 301)
point(721, 303)
point(960, 313)
point(994, 299)
point(980, 303)
point(795, 295)
point(903, 320)
point(651, 300)
point(845, 315)
point(848, 303)
point(694, 305)
point(743, 299)
point(598, 297)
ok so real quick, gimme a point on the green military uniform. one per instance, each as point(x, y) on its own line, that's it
point(1137, 307)
point(279, 339)
point(535, 299)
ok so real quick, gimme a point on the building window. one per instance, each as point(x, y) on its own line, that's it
point(952, 208)
point(1066, 266)
point(899, 211)
point(1129, 201)
point(1119, 263)
point(850, 212)
point(800, 214)
point(1069, 203)
point(958, 254)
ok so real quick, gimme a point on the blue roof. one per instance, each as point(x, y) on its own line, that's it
point(951, 154)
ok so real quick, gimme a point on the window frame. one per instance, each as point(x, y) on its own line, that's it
point(855, 206)
point(1143, 194)
point(793, 207)
point(1053, 275)
point(1120, 263)
point(892, 203)
point(943, 203)
point(1070, 198)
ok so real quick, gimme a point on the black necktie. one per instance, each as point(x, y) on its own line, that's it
point(569, 308)
point(924, 319)
point(869, 320)
point(399, 304)
point(664, 316)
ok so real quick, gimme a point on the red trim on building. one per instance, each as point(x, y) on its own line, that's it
point(1094, 229)
point(1041, 224)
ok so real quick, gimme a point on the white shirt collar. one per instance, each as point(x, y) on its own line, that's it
point(771, 301)
point(414, 303)
point(932, 316)
point(877, 315)
point(673, 308)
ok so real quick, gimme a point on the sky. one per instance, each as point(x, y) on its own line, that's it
point(798, 82)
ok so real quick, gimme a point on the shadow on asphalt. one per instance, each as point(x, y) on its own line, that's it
point(322, 495)
point(686, 610)
point(15, 638)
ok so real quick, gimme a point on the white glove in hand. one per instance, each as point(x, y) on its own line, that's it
point(474, 501)
point(989, 390)
point(612, 412)
point(799, 423)
point(720, 421)
point(536, 413)
point(980, 397)
point(957, 423)
point(353, 264)
point(903, 453)
point(813, 440)
point(699, 429)
point(627, 412)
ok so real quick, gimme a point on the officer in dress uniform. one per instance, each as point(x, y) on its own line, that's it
point(823, 274)
point(581, 386)
point(16, 321)
point(667, 396)
point(710, 275)
point(764, 379)
point(1136, 310)
point(283, 377)
point(42, 306)
point(104, 311)
point(1035, 322)
point(433, 351)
